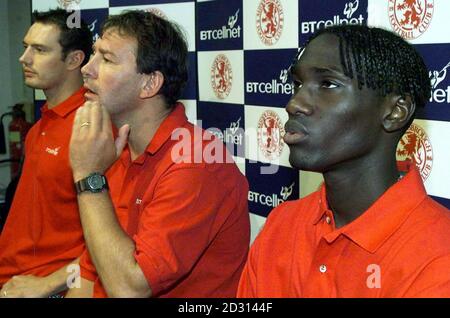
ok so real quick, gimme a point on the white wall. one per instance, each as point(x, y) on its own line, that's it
point(15, 20)
point(19, 18)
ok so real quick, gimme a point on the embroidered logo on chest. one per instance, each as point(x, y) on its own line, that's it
point(54, 151)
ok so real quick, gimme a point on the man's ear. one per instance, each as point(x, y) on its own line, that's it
point(74, 59)
point(397, 112)
point(151, 84)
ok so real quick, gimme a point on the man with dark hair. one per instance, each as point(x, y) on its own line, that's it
point(43, 234)
point(171, 224)
point(77, 38)
point(370, 230)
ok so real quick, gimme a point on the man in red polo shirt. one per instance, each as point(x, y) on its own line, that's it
point(369, 231)
point(43, 234)
point(174, 222)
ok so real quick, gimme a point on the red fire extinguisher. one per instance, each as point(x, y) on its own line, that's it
point(18, 129)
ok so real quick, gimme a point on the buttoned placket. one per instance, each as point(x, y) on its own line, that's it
point(321, 275)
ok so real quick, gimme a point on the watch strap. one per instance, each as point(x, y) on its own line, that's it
point(83, 184)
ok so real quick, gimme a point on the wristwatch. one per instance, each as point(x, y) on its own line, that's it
point(95, 182)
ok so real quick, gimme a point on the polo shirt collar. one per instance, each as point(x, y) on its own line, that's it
point(66, 107)
point(372, 228)
point(176, 119)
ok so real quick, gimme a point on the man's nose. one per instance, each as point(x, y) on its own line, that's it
point(89, 70)
point(300, 103)
point(26, 58)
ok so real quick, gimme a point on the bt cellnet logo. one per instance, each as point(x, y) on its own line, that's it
point(272, 87)
point(232, 135)
point(439, 95)
point(224, 33)
point(272, 200)
point(92, 28)
point(349, 9)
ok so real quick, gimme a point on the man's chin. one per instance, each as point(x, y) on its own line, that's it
point(303, 163)
point(32, 84)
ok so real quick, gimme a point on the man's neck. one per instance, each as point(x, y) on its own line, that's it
point(144, 122)
point(352, 190)
point(57, 95)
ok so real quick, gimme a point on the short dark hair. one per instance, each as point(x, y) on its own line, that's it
point(71, 39)
point(381, 60)
point(161, 47)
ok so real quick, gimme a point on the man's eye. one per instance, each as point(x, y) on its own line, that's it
point(106, 60)
point(329, 84)
point(297, 83)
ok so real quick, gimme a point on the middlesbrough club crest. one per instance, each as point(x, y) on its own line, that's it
point(221, 76)
point(410, 18)
point(157, 12)
point(270, 133)
point(269, 21)
point(68, 4)
point(415, 148)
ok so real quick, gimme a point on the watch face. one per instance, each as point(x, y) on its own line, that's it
point(95, 182)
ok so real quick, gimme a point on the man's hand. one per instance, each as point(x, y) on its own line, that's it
point(92, 146)
point(26, 286)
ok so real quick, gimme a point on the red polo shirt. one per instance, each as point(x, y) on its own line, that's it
point(43, 231)
point(189, 221)
point(399, 247)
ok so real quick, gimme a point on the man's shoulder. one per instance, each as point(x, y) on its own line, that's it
point(429, 225)
point(34, 128)
point(437, 214)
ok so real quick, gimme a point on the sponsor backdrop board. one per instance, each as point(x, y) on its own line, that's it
point(240, 51)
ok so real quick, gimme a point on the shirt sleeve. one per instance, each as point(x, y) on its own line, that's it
point(178, 224)
point(433, 281)
point(87, 268)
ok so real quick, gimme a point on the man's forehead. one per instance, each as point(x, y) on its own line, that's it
point(41, 28)
point(111, 33)
point(325, 44)
point(116, 35)
point(112, 40)
point(322, 50)
point(40, 34)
